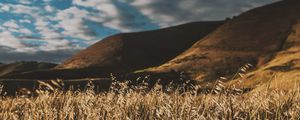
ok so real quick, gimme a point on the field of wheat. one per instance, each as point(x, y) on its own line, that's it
point(155, 104)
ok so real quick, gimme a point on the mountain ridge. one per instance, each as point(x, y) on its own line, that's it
point(140, 50)
point(246, 39)
point(21, 67)
point(127, 52)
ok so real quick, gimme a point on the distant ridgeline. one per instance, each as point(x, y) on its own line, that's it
point(22, 66)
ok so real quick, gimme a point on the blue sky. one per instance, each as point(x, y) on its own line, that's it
point(52, 30)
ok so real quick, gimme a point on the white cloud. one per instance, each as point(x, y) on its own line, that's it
point(48, 8)
point(42, 25)
point(9, 40)
point(25, 21)
point(4, 8)
point(56, 44)
point(71, 20)
point(11, 24)
point(108, 9)
point(167, 13)
point(109, 14)
point(89, 3)
point(24, 1)
point(47, 1)
point(25, 31)
point(23, 9)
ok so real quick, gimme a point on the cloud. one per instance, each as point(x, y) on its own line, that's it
point(25, 21)
point(109, 13)
point(11, 24)
point(167, 13)
point(117, 14)
point(22, 9)
point(25, 31)
point(47, 32)
point(48, 8)
point(71, 20)
point(4, 8)
point(25, 1)
point(9, 40)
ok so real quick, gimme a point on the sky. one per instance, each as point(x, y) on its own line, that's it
point(53, 30)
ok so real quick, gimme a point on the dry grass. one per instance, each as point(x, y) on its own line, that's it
point(155, 104)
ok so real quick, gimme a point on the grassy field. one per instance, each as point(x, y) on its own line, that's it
point(154, 104)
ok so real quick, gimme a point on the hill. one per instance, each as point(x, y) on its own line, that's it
point(260, 37)
point(283, 70)
point(127, 52)
point(21, 67)
point(133, 51)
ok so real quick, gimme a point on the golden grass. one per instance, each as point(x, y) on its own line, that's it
point(154, 104)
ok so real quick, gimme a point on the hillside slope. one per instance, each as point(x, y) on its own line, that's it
point(282, 72)
point(127, 52)
point(133, 51)
point(253, 37)
point(20, 67)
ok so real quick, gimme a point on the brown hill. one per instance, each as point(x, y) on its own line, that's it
point(127, 52)
point(253, 37)
point(21, 67)
point(133, 51)
point(282, 72)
